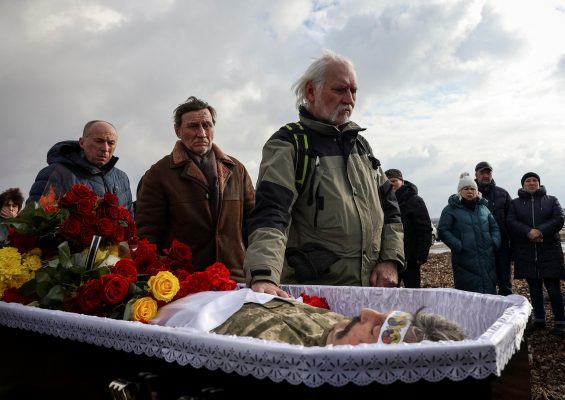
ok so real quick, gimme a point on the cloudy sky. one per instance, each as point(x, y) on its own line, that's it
point(442, 84)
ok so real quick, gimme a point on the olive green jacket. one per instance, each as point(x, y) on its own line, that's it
point(339, 210)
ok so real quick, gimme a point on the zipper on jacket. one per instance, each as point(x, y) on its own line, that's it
point(532, 202)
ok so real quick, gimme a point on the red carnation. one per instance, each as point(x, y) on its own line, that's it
point(217, 274)
point(198, 282)
point(315, 301)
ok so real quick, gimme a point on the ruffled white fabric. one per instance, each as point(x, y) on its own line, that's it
point(495, 326)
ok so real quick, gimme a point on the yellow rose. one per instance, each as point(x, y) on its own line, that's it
point(144, 309)
point(164, 286)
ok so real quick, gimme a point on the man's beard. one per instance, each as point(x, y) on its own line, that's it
point(340, 109)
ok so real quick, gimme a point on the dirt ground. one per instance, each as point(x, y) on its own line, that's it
point(546, 351)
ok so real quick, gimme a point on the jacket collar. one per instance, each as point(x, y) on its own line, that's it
point(180, 157)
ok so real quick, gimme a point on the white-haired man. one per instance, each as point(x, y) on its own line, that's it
point(319, 217)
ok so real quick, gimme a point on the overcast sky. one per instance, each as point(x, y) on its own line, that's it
point(442, 84)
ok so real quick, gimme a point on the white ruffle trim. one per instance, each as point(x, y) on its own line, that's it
point(494, 324)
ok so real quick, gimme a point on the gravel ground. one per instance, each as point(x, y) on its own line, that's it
point(546, 351)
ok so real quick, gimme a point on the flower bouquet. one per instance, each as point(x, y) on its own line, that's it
point(83, 255)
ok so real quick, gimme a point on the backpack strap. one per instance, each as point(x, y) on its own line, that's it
point(303, 154)
point(363, 147)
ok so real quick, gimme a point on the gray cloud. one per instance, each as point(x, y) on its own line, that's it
point(442, 85)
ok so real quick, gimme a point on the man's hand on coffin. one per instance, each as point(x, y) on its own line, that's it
point(385, 274)
point(269, 288)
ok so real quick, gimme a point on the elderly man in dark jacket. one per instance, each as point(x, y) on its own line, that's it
point(534, 222)
point(498, 203)
point(417, 227)
point(89, 161)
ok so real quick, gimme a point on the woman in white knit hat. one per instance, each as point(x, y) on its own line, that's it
point(468, 228)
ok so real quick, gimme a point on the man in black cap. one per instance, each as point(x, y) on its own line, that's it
point(498, 204)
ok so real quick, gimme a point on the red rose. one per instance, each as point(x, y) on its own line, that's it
point(85, 206)
point(179, 251)
point(90, 295)
point(118, 234)
point(68, 201)
point(161, 264)
point(144, 255)
point(110, 199)
point(87, 219)
point(115, 287)
point(70, 228)
point(12, 295)
point(21, 241)
point(105, 227)
point(86, 235)
point(83, 192)
point(124, 214)
point(126, 268)
point(112, 212)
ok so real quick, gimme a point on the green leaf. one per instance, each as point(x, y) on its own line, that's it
point(28, 288)
point(43, 288)
point(54, 298)
point(127, 311)
point(43, 275)
point(65, 255)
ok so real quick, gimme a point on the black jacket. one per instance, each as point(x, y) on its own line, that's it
point(536, 259)
point(498, 204)
point(416, 223)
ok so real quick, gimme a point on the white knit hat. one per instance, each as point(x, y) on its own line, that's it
point(466, 180)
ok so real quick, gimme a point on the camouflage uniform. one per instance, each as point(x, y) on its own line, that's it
point(281, 321)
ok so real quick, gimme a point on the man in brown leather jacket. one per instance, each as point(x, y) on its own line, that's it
point(197, 194)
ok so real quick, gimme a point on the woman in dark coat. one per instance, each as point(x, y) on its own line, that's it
point(468, 228)
point(534, 221)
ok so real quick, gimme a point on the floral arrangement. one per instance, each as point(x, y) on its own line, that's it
point(83, 255)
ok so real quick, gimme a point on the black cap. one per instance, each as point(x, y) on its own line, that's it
point(529, 175)
point(483, 165)
point(394, 173)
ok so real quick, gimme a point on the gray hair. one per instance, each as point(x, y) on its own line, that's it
point(315, 74)
point(434, 327)
point(88, 125)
